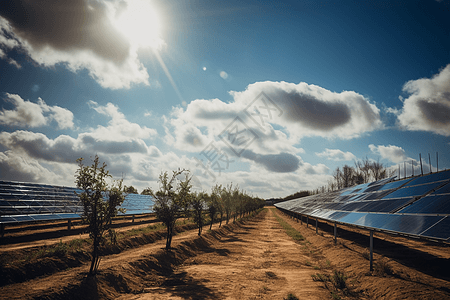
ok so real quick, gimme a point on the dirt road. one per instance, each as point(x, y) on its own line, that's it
point(258, 260)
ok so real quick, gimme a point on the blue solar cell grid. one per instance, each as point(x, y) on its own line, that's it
point(22, 202)
point(415, 206)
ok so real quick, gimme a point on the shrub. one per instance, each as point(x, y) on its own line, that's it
point(382, 267)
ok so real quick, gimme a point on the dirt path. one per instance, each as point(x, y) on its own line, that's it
point(256, 261)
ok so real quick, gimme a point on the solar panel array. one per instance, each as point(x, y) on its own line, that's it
point(418, 206)
point(24, 202)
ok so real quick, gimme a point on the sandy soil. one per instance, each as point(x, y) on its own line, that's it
point(255, 259)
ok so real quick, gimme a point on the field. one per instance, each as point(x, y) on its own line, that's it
point(266, 256)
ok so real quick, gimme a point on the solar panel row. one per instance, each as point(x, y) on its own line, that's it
point(23, 202)
point(416, 206)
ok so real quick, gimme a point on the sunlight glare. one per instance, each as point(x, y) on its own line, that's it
point(140, 23)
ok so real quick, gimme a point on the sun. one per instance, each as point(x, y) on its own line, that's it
point(140, 23)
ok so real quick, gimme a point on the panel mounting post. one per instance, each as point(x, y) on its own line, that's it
point(132, 219)
point(335, 233)
point(307, 221)
point(317, 232)
point(69, 224)
point(301, 219)
point(371, 251)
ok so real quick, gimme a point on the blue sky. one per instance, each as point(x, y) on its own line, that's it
point(272, 97)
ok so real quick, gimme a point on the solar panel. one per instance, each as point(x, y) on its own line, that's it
point(439, 230)
point(23, 202)
point(415, 206)
point(432, 204)
point(416, 190)
point(444, 175)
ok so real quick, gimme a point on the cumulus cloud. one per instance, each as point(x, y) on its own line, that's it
point(278, 114)
point(392, 153)
point(336, 155)
point(428, 106)
point(282, 162)
point(310, 110)
point(17, 167)
point(79, 34)
point(119, 128)
point(29, 114)
point(32, 156)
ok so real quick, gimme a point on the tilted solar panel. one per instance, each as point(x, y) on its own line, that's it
point(417, 206)
point(23, 202)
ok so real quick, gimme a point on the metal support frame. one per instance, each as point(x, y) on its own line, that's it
point(301, 219)
point(335, 233)
point(317, 231)
point(307, 221)
point(132, 219)
point(69, 224)
point(371, 250)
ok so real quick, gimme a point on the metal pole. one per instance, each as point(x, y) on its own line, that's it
point(301, 220)
point(335, 233)
point(316, 227)
point(307, 221)
point(429, 160)
point(437, 163)
point(132, 220)
point(69, 224)
point(421, 167)
point(399, 174)
point(404, 169)
point(371, 250)
point(412, 167)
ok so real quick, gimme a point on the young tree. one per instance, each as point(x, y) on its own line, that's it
point(147, 191)
point(213, 205)
point(226, 196)
point(198, 202)
point(130, 190)
point(100, 203)
point(168, 199)
point(216, 196)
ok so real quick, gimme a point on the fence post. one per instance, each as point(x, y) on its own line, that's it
point(335, 233)
point(371, 250)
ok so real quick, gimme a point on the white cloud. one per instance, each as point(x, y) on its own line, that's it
point(428, 106)
point(336, 155)
point(32, 156)
point(392, 153)
point(119, 128)
point(29, 114)
point(310, 110)
point(291, 112)
point(81, 35)
point(10, 60)
point(18, 167)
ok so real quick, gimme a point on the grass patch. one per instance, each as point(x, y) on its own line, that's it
point(294, 234)
point(291, 296)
